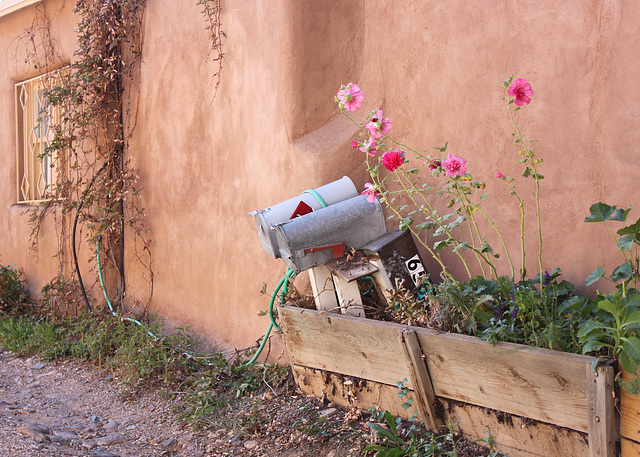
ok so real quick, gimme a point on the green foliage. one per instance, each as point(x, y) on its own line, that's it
point(137, 358)
point(615, 334)
point(615, 338)
point(13, 291)
point(541, 312)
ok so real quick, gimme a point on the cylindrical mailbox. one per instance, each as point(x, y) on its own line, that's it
point(331, 193)
point(325, 234)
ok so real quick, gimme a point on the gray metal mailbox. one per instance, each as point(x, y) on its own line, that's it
point(307, 202)
point(328, 233)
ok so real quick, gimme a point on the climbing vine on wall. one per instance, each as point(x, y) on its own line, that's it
point(212, 10)
point(95, 183)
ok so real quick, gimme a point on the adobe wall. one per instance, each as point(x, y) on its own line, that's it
point(273, 129)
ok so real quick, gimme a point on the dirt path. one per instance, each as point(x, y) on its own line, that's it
point(68, 409)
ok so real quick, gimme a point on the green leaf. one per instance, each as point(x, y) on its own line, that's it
point(526, 172)
point(626, 243)
point(483, 196)
point(630, 354)
point(600, 212)
point(594, 276)
point(633, 229)
point(610, 307)
point(462, 246)
point(427, 225)
point(486, 247)
point(440, 245)
point(587, 327)
point(622, 272)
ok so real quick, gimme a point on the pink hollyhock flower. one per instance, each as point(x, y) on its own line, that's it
point(378, 126)
point(370, 146)
point(499, 175)
point(354, 144)
point(371, 192)
point(393, 159)
point(350, 97)
point(435, 164)
point(521, 90)
point(454, 166)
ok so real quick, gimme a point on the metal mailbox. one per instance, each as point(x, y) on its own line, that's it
point(306, 203)
point(328, 233)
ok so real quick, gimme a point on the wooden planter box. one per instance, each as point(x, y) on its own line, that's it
point(537, 402)
point(629, 421)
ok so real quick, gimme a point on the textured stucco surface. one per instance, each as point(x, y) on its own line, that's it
point(273, 129)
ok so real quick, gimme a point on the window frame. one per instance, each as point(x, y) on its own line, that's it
point(37, 170)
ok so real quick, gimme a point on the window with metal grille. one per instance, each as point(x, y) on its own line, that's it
point(37, 121)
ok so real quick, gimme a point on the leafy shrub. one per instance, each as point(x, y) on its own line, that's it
point(12, 288)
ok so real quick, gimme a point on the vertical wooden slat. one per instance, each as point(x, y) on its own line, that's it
point(602, 417)
point(419, 373)
point(323, 289)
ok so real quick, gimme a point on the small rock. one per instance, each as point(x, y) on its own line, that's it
point(41, 428)
point(103, 454)
point(38, 366)
point(111, 425)
point(60, 440)
point(65, 434)
point(88, 445)
point(111, 439)
point(251, 444)
point(33, 433)
point(168, 443)
point(95, 419)
point(327, 412)
point(332, 453)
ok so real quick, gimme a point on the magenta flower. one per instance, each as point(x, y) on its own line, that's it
point(435, 164)
point(354, 144)
point(350, 97)
point(521, 90)
point(371, 192)
point(499, 175)
point(454, 166)
point(370, 146)
point(393, 159)
point(378, 126)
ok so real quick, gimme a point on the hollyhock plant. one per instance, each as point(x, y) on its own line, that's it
point(454, 166)
point(521, 90)
point(350, 97)
point(378, 126)
point(370, 147)
point(371, 192)
point(417, 200)
point(393, 159)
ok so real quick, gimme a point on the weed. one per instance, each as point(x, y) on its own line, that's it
point(13, 291)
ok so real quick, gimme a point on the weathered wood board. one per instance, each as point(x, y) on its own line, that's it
point(629, 421)
point(546, 386)
point(517, 436)
point(344, 344)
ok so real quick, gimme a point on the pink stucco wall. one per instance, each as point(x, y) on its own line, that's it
point(273, 129)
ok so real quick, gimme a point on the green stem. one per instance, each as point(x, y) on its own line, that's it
point(472, 224)
point(400, 174)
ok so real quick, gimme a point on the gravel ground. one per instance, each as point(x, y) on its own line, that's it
point(70, 409)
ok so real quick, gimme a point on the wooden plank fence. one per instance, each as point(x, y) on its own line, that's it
point(548, 390)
